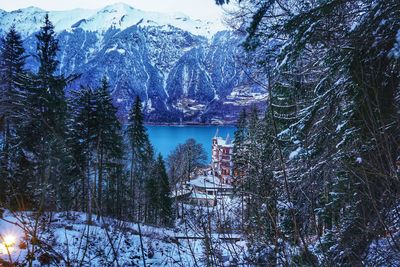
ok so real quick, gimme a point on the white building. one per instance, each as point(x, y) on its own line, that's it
point(221, 158)
point(214, 182)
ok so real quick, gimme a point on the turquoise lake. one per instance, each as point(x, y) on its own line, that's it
point(166, 138)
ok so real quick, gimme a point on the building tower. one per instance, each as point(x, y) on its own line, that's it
point(221, 158)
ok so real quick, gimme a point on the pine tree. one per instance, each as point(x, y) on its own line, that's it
point(158, 195)
point(96, 142)
point(252, 157)
point(240, 137)
point(165, 203)
point(109, 139)
point(151, 195)
point(44, 134)
point(12, 73)
point(13, 77)
point(49, 86)
point(239, 158)
point(141, 156)
point(82, 140)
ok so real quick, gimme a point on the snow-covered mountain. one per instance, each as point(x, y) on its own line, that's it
point(183, 69)
point(119, 16)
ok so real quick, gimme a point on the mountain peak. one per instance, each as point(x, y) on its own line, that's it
point(119, 15)
point(31, 9)
point(118, 6)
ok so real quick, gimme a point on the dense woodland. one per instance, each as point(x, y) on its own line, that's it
point(316, 171)
point(72, 153)
point(319, 165)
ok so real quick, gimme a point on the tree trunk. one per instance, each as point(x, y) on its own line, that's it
point(132, 187)
point(100, 184)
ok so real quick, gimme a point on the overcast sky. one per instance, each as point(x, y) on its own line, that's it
point(197, 9)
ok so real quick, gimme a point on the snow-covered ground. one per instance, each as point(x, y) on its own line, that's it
point(66, 238)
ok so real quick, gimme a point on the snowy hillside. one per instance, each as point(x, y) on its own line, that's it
point(182, 69)
point(65, 238)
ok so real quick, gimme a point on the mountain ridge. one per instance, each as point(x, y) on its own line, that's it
point(181, 71)
point(119, 15)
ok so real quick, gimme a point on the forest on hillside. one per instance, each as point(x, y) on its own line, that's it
point(321, 166)
point(316, 173)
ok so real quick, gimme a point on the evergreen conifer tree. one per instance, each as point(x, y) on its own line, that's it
point(82, 140)
point(13, 78)
point(141, 156)
point(165, 203)
point(109, 140)
point(45, 133)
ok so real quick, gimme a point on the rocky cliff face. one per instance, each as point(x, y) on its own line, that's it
point(183, 70)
